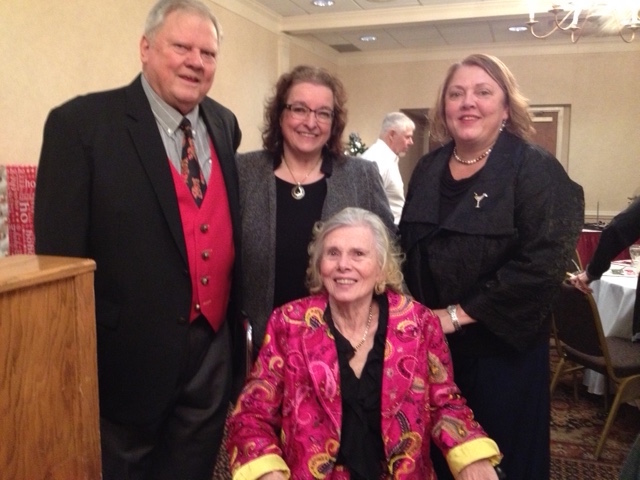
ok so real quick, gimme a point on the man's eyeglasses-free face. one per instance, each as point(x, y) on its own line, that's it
point(301, 112)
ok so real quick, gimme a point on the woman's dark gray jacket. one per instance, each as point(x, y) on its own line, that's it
point(503, 257)
point(351, 182)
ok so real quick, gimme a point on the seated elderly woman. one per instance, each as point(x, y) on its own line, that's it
point(354, 381)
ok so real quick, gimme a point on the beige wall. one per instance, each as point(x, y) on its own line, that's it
point(600, 89)
point(52, 51)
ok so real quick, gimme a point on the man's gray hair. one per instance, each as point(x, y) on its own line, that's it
point(397, 121)
point(160, 11)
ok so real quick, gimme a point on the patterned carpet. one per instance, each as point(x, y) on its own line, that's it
point(575, 430)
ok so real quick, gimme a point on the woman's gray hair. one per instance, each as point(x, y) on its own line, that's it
point(160, 11)
point(389, 255)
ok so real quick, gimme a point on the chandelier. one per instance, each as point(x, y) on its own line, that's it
point(578, 17)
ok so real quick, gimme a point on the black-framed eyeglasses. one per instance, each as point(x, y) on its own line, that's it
point(301, 112)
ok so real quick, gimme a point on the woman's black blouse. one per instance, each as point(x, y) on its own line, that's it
point(361, 446)
point(452, 191)
point(294, 225)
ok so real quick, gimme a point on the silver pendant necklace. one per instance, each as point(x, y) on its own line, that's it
point(298, 192)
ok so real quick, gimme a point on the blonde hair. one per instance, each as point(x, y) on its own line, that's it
point(519, 122)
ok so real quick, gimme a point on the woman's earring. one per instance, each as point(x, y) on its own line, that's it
point(504, 124)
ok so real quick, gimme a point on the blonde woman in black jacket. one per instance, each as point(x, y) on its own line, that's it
point(489, 224)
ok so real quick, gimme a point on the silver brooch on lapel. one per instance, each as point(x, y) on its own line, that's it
point(479, 198)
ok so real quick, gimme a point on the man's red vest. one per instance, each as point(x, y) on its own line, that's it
point(208, 235)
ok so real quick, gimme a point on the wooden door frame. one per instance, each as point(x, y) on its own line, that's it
point(562, 128)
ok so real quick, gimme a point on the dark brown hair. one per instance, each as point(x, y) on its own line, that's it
point(272, 139)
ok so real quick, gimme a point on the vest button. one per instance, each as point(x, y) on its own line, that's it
point(205, 254)
point(204, 280)
point(197, 307)
point(204, 228)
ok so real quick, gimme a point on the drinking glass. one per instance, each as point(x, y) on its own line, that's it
point(634, 254)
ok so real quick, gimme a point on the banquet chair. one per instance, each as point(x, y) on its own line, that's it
point(573, 265)
point(584, 345)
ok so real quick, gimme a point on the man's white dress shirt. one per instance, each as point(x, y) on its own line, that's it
point(387, 162)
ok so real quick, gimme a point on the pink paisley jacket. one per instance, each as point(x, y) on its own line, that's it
point(289, 414)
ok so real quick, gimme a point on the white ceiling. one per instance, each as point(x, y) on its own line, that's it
point(415, 24)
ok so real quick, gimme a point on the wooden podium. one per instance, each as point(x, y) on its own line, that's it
point(49, 420)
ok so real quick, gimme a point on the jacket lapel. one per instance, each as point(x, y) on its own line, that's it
point(152, 155)
point(322, 360)
point(402, 352)
point(484, 215)
point(487, 208)
point(222, 140)
point(401, 357)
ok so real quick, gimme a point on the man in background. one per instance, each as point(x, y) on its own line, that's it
point(142, 179)
point(396, 136)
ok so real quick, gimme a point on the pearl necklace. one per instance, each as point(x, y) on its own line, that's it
point(470, 162)
point(297, 192)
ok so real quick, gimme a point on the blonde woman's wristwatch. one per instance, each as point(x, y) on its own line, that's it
point(451, 310)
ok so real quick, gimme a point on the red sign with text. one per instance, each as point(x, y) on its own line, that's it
point(21, 188)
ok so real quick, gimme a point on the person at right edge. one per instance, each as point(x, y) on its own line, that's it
point(489, 224)
point(621, 233)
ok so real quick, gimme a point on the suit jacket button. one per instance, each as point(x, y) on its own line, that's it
point(182, 320)
point(204, 228)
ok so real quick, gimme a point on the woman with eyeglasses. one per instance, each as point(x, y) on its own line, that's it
point(301, 176)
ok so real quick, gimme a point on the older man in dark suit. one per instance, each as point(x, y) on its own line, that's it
point(126, 180)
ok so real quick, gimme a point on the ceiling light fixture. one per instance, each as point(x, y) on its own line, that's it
point(613, 16)
point(322, 3)
point(368, 38)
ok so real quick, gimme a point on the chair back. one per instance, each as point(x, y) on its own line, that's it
point(576, 263)
point(577, 321)
point(582, 338)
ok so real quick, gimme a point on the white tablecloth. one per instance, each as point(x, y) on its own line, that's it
point(615, 296)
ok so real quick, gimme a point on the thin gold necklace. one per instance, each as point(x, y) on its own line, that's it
point(297, 192)
point(366, 329)
point(470, 162)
